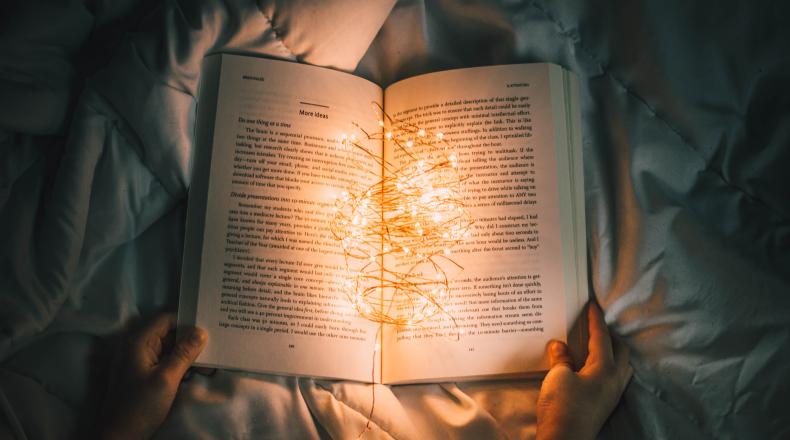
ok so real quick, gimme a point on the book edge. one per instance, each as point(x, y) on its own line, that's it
point(191, 260)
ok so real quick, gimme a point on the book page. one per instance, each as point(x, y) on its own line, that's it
point(269, 277)
point(510, 298)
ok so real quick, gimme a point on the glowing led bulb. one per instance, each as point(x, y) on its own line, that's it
point(409, 144)
point(421, 133)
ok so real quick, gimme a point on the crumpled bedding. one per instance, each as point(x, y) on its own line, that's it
point(686, 114)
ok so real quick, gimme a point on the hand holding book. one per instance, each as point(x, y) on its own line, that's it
point(147, 368)
point(575, 404)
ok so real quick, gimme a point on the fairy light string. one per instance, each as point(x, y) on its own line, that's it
point(398, 234)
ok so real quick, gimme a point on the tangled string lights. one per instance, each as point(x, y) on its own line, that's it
point(398, 234)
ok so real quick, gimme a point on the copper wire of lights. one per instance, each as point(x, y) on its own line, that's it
point(398, 234)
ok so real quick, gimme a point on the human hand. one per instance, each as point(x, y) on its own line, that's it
point(575, 405)
point(145, 376)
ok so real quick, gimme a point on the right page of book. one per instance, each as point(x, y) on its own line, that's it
point(521, 284)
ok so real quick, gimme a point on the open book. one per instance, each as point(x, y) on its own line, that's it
point(264, 276)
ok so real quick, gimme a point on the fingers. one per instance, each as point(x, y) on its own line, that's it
point(146, 341)
point(161, 325)
point(559, 355)
point(188, 346)
point(621, 360)
point(608, 355)
point(600, 344)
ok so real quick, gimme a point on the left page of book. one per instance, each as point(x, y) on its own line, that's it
point(262, 272)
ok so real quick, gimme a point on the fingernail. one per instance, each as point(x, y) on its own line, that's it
point(557, 348)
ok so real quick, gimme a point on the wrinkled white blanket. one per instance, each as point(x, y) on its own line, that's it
point(686, 110)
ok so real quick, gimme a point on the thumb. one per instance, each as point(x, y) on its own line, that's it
point(188, 346)
point(559, 355)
